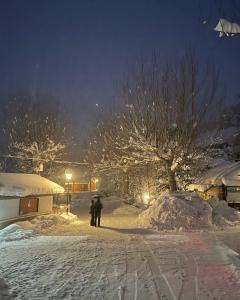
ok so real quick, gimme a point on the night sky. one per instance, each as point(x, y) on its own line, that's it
point(80, 50)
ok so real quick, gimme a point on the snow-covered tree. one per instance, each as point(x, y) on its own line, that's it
point(35, 131)
point(39, 153)
point(167, 111)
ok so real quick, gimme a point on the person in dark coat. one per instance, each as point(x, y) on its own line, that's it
point(98, 209)
point(222, 192)
point(92, 213)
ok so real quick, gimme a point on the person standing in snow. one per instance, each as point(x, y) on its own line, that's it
point(92, 213)
point(98, 209)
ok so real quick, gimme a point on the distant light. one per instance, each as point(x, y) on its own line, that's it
point(146, 197)
point(97, 104)
point(68, 174)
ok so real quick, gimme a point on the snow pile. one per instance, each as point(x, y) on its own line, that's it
point(187, 211)
point(46, 221)
point(14, 232)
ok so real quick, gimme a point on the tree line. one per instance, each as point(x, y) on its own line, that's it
point(167, 131)
point(170, 126)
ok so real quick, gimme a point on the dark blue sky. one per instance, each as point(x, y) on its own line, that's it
point(79, 50)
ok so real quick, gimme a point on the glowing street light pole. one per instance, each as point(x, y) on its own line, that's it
point(68, 175)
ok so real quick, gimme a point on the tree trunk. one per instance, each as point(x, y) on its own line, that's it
point(172, 180)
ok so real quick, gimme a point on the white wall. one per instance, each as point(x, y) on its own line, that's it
point(9, 209)
point(45, 204)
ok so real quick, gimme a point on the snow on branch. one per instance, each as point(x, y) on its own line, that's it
point(225, 27)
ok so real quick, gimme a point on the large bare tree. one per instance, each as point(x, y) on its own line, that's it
point(168, 107)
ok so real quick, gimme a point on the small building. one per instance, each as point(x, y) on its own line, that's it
point(81, 181)
point(222, 181)
point(81, 186)
point(23, 195)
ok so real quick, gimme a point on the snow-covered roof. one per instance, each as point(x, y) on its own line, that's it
point(227, 173)
point(226, 27)
point(21, 185)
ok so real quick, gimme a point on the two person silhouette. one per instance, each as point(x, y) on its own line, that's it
point(95, 211)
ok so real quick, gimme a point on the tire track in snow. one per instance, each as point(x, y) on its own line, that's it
point(189, 289)
point(162, 284)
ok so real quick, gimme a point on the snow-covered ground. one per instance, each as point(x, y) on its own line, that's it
point(68, 259)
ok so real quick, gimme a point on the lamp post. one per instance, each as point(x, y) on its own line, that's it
point(68, 175)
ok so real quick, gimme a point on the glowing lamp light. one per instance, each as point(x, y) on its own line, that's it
point(146, 197)
point(96, 180)
point(68, 174)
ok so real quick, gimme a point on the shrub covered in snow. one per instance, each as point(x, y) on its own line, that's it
point(186, 211)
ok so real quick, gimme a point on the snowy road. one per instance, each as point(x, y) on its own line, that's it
point(118, 261)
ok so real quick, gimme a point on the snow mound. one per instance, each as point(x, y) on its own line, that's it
point(187, 211)
point(14, 232)
point(46, 221)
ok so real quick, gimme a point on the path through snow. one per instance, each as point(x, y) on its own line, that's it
point(119, 261)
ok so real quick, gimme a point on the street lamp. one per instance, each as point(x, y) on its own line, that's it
point(68, 175)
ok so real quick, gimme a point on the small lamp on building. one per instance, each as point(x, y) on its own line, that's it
point(68, 175)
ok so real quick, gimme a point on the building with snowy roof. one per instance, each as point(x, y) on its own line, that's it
point(222, 181)
point(81, 180)
point(24, 195)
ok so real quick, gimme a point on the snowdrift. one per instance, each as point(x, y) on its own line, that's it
point(27, 229)
point(187, 211)
point(46, 221)
point(14, 232)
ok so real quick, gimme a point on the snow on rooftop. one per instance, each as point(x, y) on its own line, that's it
point(227, 173)
point(226, 27)
point(21, 185)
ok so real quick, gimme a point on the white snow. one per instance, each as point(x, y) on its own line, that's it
point(21, 185)
point(28, 229)
point(14, 232)
point(40, 223)
point(227, 173)
point(226, 27)
point(187, 211)
point(118, 261)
